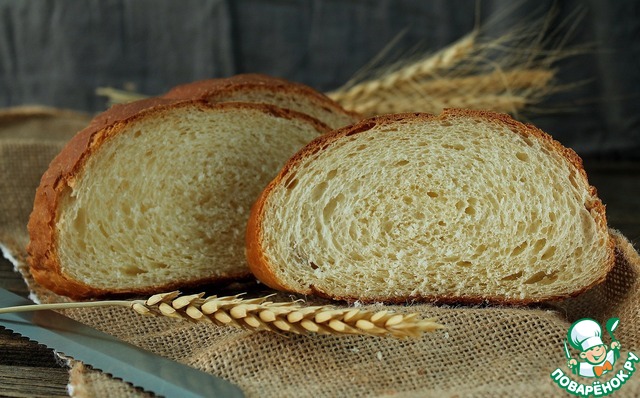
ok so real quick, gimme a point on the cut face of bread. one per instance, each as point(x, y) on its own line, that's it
point(257, 88)
point(158, 199)
point(466, 206)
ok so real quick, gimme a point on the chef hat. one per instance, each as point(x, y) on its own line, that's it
point(585, 334)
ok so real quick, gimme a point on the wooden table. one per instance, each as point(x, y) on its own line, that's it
point(29, 370)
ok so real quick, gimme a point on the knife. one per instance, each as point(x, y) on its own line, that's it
point(118, 358)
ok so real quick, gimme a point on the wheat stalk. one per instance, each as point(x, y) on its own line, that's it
point(489, 83)
point(498, 91)
point(507, 73)
point(115, 96)
point(260, 314)
point(429, 66)
point(504, 103)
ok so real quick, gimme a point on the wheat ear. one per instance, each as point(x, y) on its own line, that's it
point(260, 314)
point(501, 91)
point(430, 66)
point(505, 103)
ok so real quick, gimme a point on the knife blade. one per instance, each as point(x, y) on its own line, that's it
point(113, 356)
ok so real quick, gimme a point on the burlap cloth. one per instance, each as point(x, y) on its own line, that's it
point(485, 350)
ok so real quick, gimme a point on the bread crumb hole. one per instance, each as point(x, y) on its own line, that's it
point(512, 277)
point(519, 249)
point(470, 210)
point(137, 134)
point(522, 156)
point(549, 279)
point(464, 263)
point(401, 163)
point(432, 194)
point(457, 147)
point(331, 206)
point(331, 174)
point(318, 191)
point(80, 222)
point(535, 278)
point(292, 184)
point(542, 278)
point(526, 139)
point(577, 252)
point(572, 180)
point(132, 270)
point(313, 265)
point(534, 227)
point(548, 253)
point(291, 181)
point(539, 245)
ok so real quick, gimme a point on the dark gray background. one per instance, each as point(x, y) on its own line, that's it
point(56, 52)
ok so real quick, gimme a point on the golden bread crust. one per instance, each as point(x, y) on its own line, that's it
point(214, 89)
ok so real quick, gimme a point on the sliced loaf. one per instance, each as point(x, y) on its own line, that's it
point(155, 195)
point(258, 88)
point(466, 206)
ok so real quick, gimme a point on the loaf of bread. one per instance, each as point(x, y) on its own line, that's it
point(258, 88)
point(466, 206)
point(155, 195)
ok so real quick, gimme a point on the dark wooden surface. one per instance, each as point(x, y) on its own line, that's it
point(30, 370)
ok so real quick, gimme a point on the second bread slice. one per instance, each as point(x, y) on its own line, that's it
point(258, 88)
point(465, 206)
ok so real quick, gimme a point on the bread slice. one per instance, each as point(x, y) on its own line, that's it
point(155, 195)
point(466, 206)
point(258, 88)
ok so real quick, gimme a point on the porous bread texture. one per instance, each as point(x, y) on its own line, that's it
point(159, 200)
point(464, 207)
point(258, 88)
